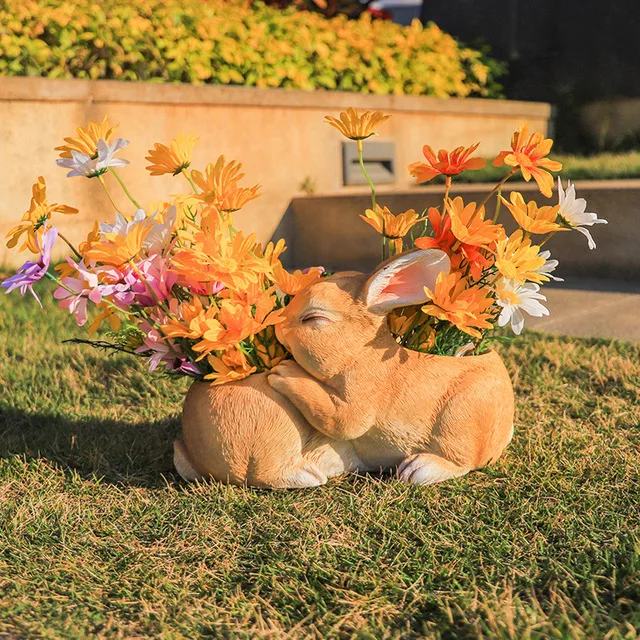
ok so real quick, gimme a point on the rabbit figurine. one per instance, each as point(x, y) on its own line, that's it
point(352, 399)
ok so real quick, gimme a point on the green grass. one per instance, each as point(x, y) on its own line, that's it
point(98, 537)
point(604, 166)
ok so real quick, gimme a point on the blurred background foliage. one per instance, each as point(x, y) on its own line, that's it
point(239, 43)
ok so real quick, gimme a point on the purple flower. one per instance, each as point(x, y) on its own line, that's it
point(30, 272)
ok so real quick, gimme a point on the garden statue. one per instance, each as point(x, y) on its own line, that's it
point(302, 376)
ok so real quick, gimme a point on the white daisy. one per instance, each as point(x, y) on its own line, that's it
point(122, 226)
point(548, 266)
point(515, 298)
point(573, 212)
point(83, 165)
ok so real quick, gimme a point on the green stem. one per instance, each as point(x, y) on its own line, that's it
point(104, 186)
point(190, 180)
point(547, 238)
point(496, 188)
point(366, 175)
point(124, 188)
point(447, 187)
point(78, 255)
point(498, 203)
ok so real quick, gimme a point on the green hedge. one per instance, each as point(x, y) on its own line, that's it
point(232, 42)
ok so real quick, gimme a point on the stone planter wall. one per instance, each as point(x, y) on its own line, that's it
point(279, 135)
point(327, 230)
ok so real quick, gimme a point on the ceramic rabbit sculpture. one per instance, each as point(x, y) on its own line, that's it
point(352, 399)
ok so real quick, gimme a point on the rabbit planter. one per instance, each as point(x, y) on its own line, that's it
point(352, 399)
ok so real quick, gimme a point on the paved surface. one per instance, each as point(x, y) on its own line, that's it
point(591, 308)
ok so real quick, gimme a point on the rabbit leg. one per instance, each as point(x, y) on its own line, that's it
point(321, 405)
point(428, 468)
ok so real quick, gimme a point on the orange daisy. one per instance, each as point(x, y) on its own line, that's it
point(393, 227)
point(532, 218)
point(448, 163)
point(454, 300)
point(528, 152)
point(174, 158)
point(357, 126)
point(469, 226)
point(35, 217)
point(87, 140)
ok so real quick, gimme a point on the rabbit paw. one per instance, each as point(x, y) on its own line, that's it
point(308, 475)
point(287, 369)
point(427, 468)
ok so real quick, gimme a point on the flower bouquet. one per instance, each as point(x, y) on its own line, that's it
point(180, 286)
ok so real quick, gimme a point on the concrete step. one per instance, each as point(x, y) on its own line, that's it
point(591, 308)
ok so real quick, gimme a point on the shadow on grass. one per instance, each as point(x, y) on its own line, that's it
point(117, 452)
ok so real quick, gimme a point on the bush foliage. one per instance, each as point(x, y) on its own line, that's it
point(232, 42)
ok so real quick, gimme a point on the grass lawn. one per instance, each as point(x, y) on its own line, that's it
point(99, 538)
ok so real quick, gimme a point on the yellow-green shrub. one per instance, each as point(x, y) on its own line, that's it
point(218, 42)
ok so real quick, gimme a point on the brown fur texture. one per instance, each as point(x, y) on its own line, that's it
point(352, 399)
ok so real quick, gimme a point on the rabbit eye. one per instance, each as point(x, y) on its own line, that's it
point(314, 318)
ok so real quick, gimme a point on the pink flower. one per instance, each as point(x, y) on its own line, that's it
point(164, 351)
point(156, 276)
point(74, 292)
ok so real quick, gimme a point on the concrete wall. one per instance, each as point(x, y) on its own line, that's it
point(327, 230)
point(278, 134)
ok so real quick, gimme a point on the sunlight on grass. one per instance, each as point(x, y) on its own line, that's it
point(98, 537)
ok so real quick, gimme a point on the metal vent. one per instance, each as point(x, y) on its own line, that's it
point(379, 161)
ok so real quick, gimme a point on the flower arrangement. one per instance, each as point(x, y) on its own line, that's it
point(494, 278)
point(179, 286)
point(183, 288)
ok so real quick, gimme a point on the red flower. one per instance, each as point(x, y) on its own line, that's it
point(442, 238)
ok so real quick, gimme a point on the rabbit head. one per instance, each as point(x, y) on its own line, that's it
point(329, 324)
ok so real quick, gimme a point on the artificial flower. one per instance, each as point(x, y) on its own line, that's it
point(528, 153)
point(517, 259)
point(107, 312)
point(87, 140)
point(402, 320)
point(549, 265)
point(357, 126)
point(219, 185)
point(292, 283)
point(393, 227)
point(81, 164)
point(442, 237)
point(116, 250)
point(74, 293)
point(465, 306)
point(472, 260)
point(231, 366)
point(469, 226)
point(35, 217)
point(572, 212)
point(31, 272)
point(174, 158)
point(530, 217)
point(448, 163)
point(515, 298)
point(269, 350)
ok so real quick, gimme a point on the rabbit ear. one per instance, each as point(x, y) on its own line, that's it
point(400, 282)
